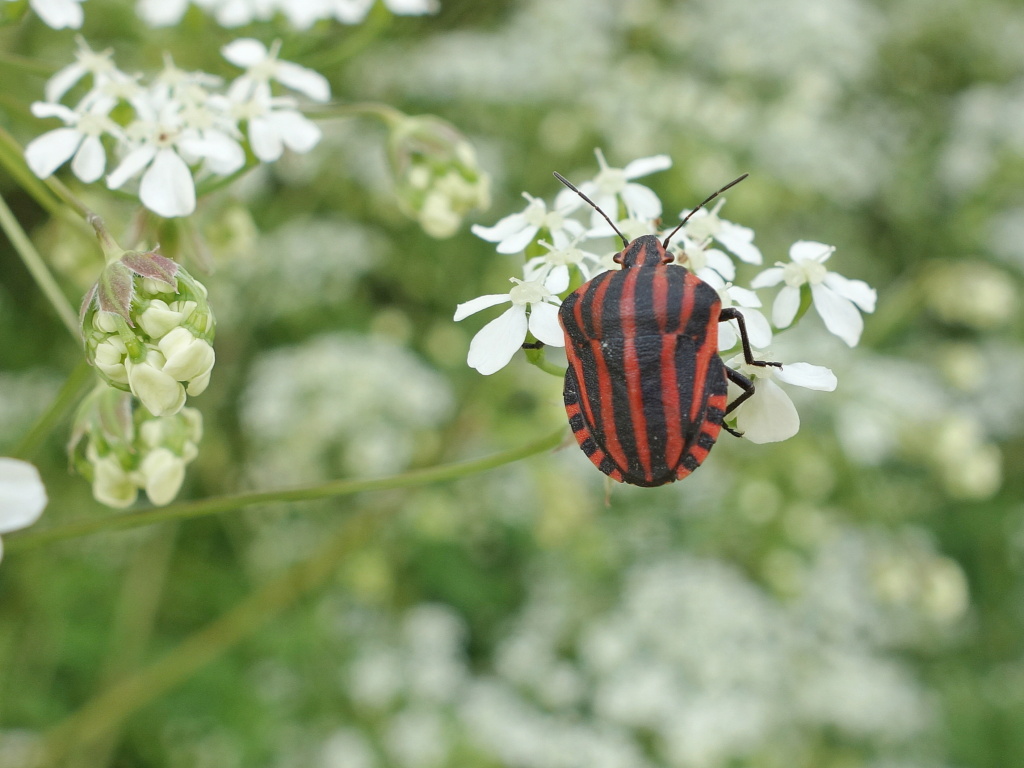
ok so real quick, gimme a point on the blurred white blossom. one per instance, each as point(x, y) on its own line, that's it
point(58, 14)
point(22, 496)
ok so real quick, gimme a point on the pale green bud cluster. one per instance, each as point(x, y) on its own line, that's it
point(122, 449)
point(148, 329)
point(437, 177)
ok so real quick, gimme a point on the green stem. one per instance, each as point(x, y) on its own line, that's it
point(217, 504)
point(38, 269)
point(12, 156)
point(69, 394)
point(386, 113)
point(105, 712)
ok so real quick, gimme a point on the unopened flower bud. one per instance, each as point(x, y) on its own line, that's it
point(140, 300)
point(437, 177)
point(122, 448)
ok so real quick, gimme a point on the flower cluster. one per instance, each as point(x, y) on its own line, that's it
point(553, 237)
point(438, 179)
point(149, 330)
point(121, 449)
point(301, 13)
point(180, 127)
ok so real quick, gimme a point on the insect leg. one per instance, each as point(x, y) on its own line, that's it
point(731, 313)
point(747, 386)
point(533, 344)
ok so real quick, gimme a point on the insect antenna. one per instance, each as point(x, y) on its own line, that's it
point(593, 205)
point(732, 183)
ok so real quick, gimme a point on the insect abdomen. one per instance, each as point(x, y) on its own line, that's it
point(645, 391)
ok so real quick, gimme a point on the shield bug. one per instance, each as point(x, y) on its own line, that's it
point(645, 390)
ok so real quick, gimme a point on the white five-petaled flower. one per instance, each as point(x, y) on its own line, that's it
point(516, 231)
point(80, 140)
point(22, 496)
point(558, 260)
point(497, 342)
point(769, 416)
point(836, 298)
point(612, 184)
point(99, 64)
point(262, 66)
point(706, 225)
point(273, 122)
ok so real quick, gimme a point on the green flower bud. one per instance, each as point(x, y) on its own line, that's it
point(437, 177)
point(148, 329)
point(121, 448)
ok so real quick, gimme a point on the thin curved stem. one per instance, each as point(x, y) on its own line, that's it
point(202, 507)
point(38, 269)
point(70, 393)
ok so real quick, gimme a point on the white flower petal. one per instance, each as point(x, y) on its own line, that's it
point(744, 297)
point(306, 81)
point(640, 201)
point(768, 278)
point(498, 341)
point(544, 324)
point(769, 416)
point(50, 151)
point(857, 291)
point(505, 227)
point(299, 133)
point(473, 306)
point(244, 52)
point(721, 263)
point(727, 337)
point(164, 473)
point(759, 330)
point(785, 307)
point(22, 495)
point(809, 250)
point(161, 13)
point(90, 160)
point(739, 241)
point(222, 153)
point(647, 165)
point(59, 14)
point(63, 81)
point(131, 165)
point(839, 314)
point(558, 279)
point(44, 109)
point(808, 376)
point(265, 142)
point(167, 187)
point(517, 241)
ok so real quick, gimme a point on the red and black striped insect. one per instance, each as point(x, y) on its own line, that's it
point(646, 389)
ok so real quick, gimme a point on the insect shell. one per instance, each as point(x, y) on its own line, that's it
point(645, 391)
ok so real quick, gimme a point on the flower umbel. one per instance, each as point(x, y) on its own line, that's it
point(437, 177)
point(148, 329)
point(121, 449)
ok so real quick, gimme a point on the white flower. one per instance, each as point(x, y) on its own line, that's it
point(262, 66)
point(273, 122)
point(99, 64)
point(558, 260)
point(769, 416)
point(22, 496)
point(703, 261)
point(495, 344)
point(80, 141)
point(612, 184)
point(836, 298)
point(58, 14)
point(516, 231)
point(707, 225)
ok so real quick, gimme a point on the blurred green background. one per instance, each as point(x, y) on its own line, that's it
point(852, 597)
